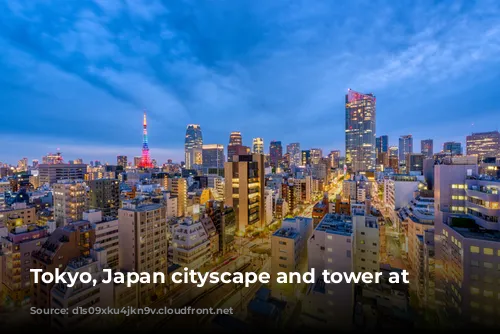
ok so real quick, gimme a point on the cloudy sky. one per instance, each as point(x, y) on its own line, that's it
point(76, 75)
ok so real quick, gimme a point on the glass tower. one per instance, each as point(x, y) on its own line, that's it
point(360, 112)
point(193, 146)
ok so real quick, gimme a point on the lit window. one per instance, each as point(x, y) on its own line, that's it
point(488, 265)
point(330, 260)
point(474, 291)
point(329, 237)
point(474, 249)
point(330, 250)
point(488, 251)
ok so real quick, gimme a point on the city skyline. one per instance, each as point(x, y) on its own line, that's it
point(84, 80)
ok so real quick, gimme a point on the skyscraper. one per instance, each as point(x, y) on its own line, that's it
point(484, 144)
point(104, 195)
point(452, 147)
point(258, 145)
point(427, 148)
point(360, 124)
point(245, 190)
point(235, 138)
point(316, 155)
point(382, 144)
point(294, 150)
point(69, 201)
point(213, 156)
point(145, 158)
point(334, 158)
point(306, 157)
point(276, 153)
point(121, 160)
point(405, 147)
point(193, 146)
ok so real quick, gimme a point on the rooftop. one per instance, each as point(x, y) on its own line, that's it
point(468, 228)
point(335, 224)
point(286, 233)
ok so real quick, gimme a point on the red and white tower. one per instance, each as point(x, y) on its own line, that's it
point(145, 158)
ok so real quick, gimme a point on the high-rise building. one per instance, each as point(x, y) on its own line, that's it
point(484, 144)
point(427, 148)
point(137, 162)
point(405, 147)
point(233, 150)
point(316, 155)
point(193, 146)
point(245, 190)
point(235, 138)
point(415, 163)
point(334, 157)
point(106, 236)
point(224, 220)
point(360, 127)
point(306, 157)
point(258, 145)
point(275, 153)
point(382, 144)
point(294, 150)
point(452, 147)
point(142, 227)
point(70, 201)
point(145, 157)
point(121, 160)
point(213, 156)
point(190, 244)
point(51, 173)
point(104, 195)
point(178, 187)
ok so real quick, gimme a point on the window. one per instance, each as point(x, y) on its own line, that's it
point(362, 233)
point(474, 249)
point(488, 293)
point(488, 279)
point(282, 243)
point(474, 263)
point(329, 237)
point(330, 249)
point(498, 252)
point(474, 291)
point(362, 242)
point(488, 265)
point(348, 241)
point(282, 265)
point(488, 251)
point(330, 260)
point(348, 253)
point(474, 305)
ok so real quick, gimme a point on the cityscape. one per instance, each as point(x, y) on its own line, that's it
point(222, 137)
point(230, 207)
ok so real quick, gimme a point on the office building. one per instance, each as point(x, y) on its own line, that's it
point(178, 187)
point(18, 214)
point(427, 148)
point(334, 157)
point(295, 154)
point(360, 131)
point(258, 145)
point(415, 163)
point(104, 195)
point(398, 192)
point(233, 150)
point(452, 148)
point(244, 182)
point(51, 173)
point(405, 147)
point(382, 144)
point(70, 200)
point(213, 156)
point(484, 144)
point(142, 227)
point(316, 155)
point(121, 160)
point(235, 138)
point(224, 220)
point(306, 157)
point(275, 153)
point(193, 146)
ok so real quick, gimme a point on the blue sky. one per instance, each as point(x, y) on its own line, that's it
point(77, 74)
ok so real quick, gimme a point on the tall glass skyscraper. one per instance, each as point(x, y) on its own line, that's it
point(382, 144)
point(258, 145)
point(275, 153)
point(193, 146)
point(360, 124)
point(294, 150)
point(405, 147)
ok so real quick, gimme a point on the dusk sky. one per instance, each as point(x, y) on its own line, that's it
point(76, 75)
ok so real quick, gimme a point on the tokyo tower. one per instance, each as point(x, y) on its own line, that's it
point(145, 158)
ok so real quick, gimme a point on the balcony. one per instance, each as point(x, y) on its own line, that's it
point(483, 194)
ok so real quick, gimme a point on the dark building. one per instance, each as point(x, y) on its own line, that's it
point(233, 150)
point(452, 147)
point(427, 148)
point(382, 144)
point(224, 219)
point(405, 147)
point(104, 195)
point(275, 153)
point(415, 162)
point(121, 160)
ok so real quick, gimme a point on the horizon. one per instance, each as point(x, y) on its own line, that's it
point(79, 77)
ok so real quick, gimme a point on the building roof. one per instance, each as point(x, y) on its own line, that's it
point(335, 224)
